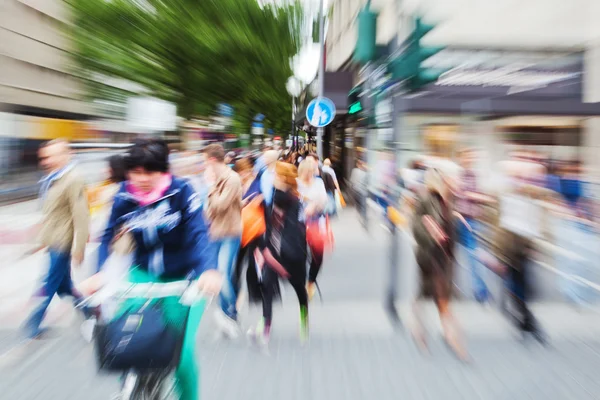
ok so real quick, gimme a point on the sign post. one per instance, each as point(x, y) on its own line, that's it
point(320, 113)
point(321, 77)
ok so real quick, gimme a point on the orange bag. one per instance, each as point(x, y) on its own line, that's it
point(253, 221)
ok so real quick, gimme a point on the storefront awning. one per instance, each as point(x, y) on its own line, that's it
point(505, 83)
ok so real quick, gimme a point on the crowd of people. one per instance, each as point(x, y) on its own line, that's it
point(532, 202)
point(244, 224)
point(231, 223)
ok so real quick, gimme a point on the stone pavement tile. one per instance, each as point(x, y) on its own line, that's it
point(330, 367)
point(389, 368)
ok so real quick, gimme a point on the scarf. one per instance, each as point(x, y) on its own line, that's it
point(145, 198)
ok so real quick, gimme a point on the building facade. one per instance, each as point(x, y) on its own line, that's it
point(519, 72)
point(36, 72)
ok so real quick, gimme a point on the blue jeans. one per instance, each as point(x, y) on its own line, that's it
point(228, 250)
point(58, 281)
point(469, 241)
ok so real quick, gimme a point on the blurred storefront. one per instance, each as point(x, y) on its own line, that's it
point(499, 101)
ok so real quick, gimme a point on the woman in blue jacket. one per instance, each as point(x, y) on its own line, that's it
point(162, 213)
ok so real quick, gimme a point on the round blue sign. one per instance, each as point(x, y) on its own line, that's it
point(320, 112)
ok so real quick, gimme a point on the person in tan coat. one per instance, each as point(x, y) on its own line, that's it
point(64, 229)
point(223, 210)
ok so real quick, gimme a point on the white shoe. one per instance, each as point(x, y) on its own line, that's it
point(87, 329)
point(226, 325)
point(259, 339)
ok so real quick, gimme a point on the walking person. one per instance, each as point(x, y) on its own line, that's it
point(64, 228)
point(162, 214)
point(251, 198)
point(266, 175)
point(434, 232)
point(574, 234)
point(314, 198)
point(103, 195)
point(518, 224)
point(284, 251)
point(358, 183)
point(468, 205)
point(223, 209)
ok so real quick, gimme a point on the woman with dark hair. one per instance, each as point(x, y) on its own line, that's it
point(433, 229)
point(162, 215)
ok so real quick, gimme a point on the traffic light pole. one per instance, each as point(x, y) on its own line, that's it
point(321, 75)
point(393, 277)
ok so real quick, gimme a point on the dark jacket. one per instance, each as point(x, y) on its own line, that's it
point(286, 232)
point(170, 234)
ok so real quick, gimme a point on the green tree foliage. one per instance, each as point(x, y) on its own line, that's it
point(195, 53)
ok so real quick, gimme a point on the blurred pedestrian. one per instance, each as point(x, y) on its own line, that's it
point(230, 159)
point(574, 234)
point(468, 204)
point(314, 199)
point(553, 176)
point(358, 183)
point(162, 215)
point(267, 175)
point(64, 228)
point(104, 194)
point(519, 224)
point(284, 251)
point(434, 232)
point(223, 209)
point(327, 168)
point(251, 197)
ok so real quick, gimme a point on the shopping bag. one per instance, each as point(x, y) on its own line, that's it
point(396, 217)
point(319, 235)
point(253, 221)
point(339, 199)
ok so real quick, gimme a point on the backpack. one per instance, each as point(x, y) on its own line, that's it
point(292, 248)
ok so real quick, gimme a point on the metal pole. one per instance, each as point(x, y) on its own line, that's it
point(294, 142)
point(368, 142)
point(321, 74)
point(392, 290)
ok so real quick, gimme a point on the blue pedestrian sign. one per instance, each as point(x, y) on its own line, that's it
point(320, 112)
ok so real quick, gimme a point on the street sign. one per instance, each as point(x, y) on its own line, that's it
point(258, 128)
point(225, 110)
point(320, 112)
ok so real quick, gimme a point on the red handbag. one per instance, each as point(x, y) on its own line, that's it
point(319, 235)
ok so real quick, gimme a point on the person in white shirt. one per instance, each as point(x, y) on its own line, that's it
point(314, 198)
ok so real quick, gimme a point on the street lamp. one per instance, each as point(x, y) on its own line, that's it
point(294, 88)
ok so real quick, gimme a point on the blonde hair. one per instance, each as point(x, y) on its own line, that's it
point(306, 169)
point(270, 156)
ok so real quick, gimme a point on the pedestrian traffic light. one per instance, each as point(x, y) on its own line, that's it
point(354, 104)
point(366, 46)
point(409, 65)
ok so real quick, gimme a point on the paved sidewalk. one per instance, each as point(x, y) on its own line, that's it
point(354, 352)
